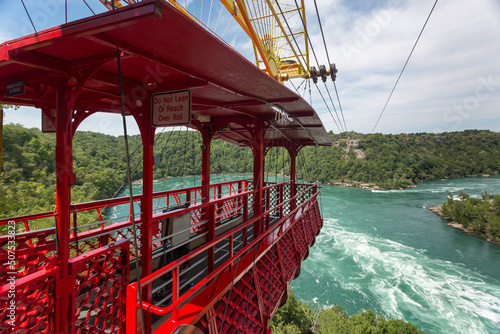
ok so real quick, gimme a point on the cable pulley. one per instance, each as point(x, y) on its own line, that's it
point(333, 72)
point(313, 74)
point(323, 72)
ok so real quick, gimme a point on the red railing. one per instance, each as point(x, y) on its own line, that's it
point(101, 256)
point(291, 228)
point(36, 249)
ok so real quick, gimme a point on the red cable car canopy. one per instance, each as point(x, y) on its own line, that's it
point(162, 50)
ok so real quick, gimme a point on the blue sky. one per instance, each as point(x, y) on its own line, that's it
point(451, 83)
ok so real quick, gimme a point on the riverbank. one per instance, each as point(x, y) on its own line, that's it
point(373, 186)
point(438, 210)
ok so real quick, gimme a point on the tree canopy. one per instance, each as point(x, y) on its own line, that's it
point(479, 216)
point(296, 317)
point(27, 182)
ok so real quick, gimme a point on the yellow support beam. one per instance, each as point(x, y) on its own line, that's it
point(285, 34)
point(237, 15)
point(305, 35)
point(253, 36)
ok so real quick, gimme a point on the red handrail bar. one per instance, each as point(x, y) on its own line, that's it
point(118, 226)
point(106, 202)
point(102, 203)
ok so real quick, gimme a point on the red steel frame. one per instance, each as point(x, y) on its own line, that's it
point(307, 196)
point(72, 281)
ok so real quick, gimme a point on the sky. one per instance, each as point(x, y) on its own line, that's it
point(451, 82)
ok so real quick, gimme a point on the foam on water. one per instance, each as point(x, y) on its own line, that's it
point(403, 281)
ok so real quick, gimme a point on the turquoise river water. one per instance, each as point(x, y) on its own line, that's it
point(384, 251)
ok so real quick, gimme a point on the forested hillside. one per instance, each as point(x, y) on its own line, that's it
point(27, 181)
point(397, 161)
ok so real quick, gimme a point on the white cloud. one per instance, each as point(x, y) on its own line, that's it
point(456, 54)
point(443, 86)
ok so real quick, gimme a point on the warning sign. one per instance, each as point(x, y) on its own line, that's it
point(15, 88)
point(47, 125)
point(171, 108)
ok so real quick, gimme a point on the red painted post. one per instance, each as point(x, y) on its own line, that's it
point(175, 291)
point(245, 220)
point(208, 213)
point(280, 199)
point(267, 219)
point(293, 177)
point(231, 250)
point(211, 237)
point(131, 309)
point(258, 175)
point(220, 208)
point(64, 155)
point(147, 134)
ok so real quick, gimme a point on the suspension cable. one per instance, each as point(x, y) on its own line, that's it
point(29, 16)
point(316, 58)
point(328, 58)
point(110, 176)
point(338, 127)
point(406, 63)
point(89, 6)
point(129, 177)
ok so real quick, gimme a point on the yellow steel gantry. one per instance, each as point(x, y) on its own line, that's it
point(277, 30)
point(282, 48)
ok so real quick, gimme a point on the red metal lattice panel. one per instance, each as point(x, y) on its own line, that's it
point(196, 218)
point(101, 278)
point(308, 227)
point(34, 302)
point(317, 217)
point(34, 251)
point(83, 246)
point(301, 197)
point(242, 312)
point(286, 196)
point(300, 238)
point(227, 209)
point(288, 255)
point(270, 280)
point(274, 200)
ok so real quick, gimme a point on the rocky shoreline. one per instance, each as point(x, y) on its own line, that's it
point(365, 186)
point(438, 210)
point(372, 186)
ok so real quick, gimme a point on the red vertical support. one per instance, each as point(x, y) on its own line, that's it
point(147, 133)
point(64, 174)
point(258, 175)
point(208, 213)
point(245, 220)
point(267, 219)
point(280, 199)
point(293, 175)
